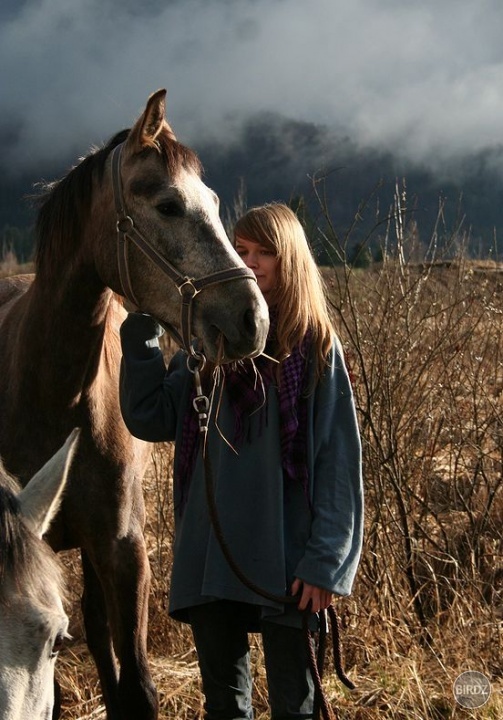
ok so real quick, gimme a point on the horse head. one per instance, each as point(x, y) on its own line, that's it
point(161, 200)
point(33, 623)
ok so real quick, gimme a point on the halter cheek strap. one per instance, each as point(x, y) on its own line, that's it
point(187, 287)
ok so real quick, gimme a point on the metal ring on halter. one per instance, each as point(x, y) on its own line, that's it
point(199, 360)
point(125, 219)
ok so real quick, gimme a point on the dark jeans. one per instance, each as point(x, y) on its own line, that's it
point(220, 631)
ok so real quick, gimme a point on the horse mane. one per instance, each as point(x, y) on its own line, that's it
point(26, 562)
point(64, 205)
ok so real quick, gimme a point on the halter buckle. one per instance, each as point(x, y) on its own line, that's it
point(187, 289)
point(201, 401)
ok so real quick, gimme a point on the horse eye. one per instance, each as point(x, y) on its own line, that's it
point(59, 644)
point(170, 209)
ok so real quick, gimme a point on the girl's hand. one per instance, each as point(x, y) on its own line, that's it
point(320, 598)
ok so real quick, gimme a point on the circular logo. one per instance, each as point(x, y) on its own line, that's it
point(471, 689)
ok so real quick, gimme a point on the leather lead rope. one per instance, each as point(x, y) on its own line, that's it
point(316, 661)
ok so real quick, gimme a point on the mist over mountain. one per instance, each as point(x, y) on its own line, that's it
point(272, 158)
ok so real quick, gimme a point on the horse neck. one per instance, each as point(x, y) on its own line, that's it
point(67, 327)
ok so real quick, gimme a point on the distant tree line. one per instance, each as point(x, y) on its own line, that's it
point(342, 191)
point(18, 242)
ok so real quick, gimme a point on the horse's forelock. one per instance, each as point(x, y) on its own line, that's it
point(26, 562)
point(176, 154)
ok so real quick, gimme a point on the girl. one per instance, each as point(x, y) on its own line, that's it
point(285, 449)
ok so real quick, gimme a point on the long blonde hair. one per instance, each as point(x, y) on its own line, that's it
point(300, 294)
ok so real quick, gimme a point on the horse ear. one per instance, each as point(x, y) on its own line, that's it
point(40, 499)
point(151, 122)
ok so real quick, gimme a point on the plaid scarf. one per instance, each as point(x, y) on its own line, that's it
point(246, 384)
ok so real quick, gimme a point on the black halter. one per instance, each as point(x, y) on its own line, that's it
point(188, 287)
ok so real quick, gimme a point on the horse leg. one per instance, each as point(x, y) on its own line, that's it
point(137, 692)
point(98, 637)
point(128, 688)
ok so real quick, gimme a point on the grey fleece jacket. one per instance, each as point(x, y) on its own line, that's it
point(274, 531)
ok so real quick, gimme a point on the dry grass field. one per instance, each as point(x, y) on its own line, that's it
point(424, 343)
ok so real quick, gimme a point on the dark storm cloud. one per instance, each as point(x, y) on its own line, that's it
point(422, 79)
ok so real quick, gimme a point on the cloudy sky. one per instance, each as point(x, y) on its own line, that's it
point(424, 77)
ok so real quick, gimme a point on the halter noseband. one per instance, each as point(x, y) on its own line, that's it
point(187, 287)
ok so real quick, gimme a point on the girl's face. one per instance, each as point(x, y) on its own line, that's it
point(262, 262)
